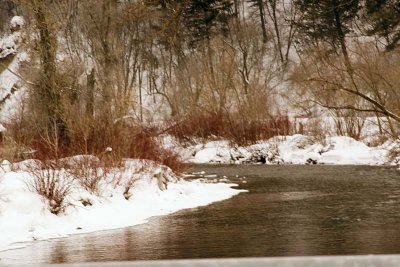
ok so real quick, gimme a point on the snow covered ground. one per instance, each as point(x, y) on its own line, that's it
point(25, 215)
point(12, 91)
point(296, 149)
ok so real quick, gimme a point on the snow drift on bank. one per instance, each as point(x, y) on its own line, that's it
point(25, 216)
point(296, 149)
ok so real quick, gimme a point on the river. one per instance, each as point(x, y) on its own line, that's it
point(289, 211)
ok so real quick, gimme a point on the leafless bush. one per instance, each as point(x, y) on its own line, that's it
point(53, 184)
point(349, 123)
point(235, 127)
point(89, 172)
point(248, 131)
point(316, 130)
point(139, 142)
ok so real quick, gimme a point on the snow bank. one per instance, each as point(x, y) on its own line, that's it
point(296, 149)
point(341, 150)
point(10, 92)
point(17, 21)
point(216, 150)
point(24, 215)
point(9, 44)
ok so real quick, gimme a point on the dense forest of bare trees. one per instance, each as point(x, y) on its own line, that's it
point(102, 70)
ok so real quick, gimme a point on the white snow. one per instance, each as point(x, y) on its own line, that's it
point(17, 21)
point(24, 214)
point(218, 151)
point(296, 149)
point(342, 150)
point(9, 47)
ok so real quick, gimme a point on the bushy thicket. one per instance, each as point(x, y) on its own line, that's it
point(100, 71)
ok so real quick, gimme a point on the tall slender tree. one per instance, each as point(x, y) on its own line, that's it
point(330, 21)
point(259, 6)
point(46, 91)
point(384, 16)
point(204, 18)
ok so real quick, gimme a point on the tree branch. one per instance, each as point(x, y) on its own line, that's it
point(16, 74)
point(348, 107)
point(381, 108)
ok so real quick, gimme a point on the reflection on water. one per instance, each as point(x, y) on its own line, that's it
point(289, 210)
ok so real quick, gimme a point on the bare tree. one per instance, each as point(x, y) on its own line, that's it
point(369, 86)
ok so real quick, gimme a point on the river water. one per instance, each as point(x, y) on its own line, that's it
point(289, 210)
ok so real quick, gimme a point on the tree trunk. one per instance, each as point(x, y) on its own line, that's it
point(260, 6)
point(47, 90)
point(276, 29)
point(342, 40)
point(91, 81)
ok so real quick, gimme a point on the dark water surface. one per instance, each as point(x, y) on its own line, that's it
point(289, 210)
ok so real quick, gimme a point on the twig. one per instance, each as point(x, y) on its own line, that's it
point(16, 74)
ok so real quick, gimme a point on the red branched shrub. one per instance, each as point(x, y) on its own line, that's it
point(126, 141)
point(242, 131)
point(143, 145)
point(198, 126)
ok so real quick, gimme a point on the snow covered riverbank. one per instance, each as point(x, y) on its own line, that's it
point(25, 215)
point(296, 149)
